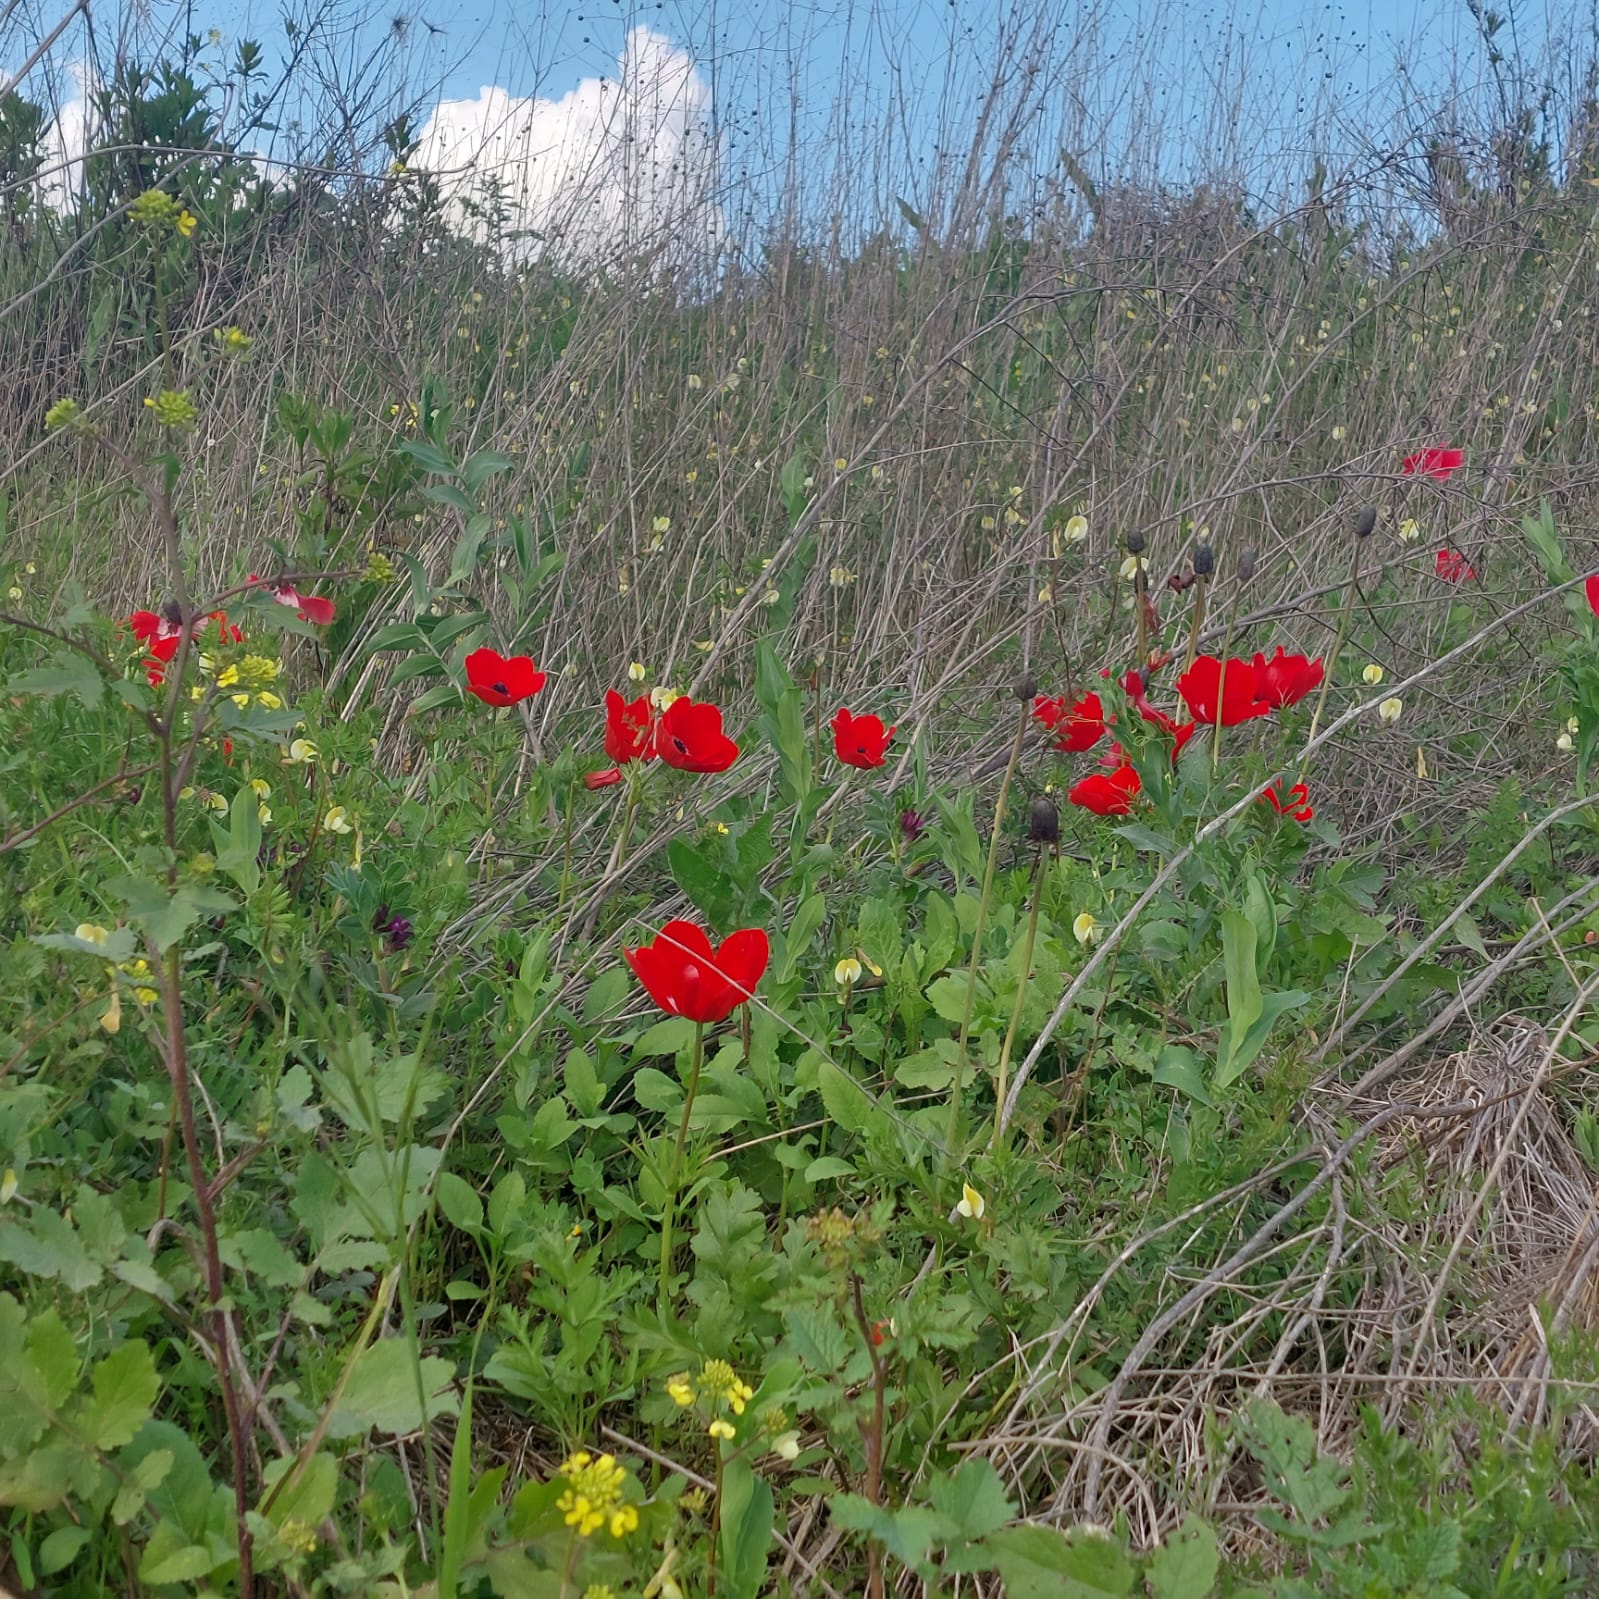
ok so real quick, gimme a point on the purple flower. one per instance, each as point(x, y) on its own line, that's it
point(912, 824)
point(399, 931)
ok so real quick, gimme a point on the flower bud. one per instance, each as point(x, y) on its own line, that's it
point(1043, 825)
point(1204, 560)
point(1024, 688)
point(1365, 522)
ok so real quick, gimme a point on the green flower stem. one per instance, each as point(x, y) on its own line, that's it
point(1025, 711)
point(1198, 621)
point(1021, 993)
point(675, 1170)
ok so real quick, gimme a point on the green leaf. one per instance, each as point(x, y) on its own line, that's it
point(1240, 1055)
point(67, 673)
point(240, 856)
point(811, 914)
point(477, 469)
point(847, 1103)
point(1186, 1565)
point(384, 1391)
point(459, 1202)
point(1238, 941)
point(126, 1387)
point(61, 1548)
point(670, 1037)
point(909, 212)
point(163, 1563)
point(1177, 1066)
point(48, 1247)
point(746, 1536)
point(972, 1498)
point(1039, 1562)
point(167, 917)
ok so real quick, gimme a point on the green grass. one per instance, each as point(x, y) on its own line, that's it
point(331, 1234)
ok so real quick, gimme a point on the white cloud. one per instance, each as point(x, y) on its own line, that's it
point(66, 141)
point(614, 168)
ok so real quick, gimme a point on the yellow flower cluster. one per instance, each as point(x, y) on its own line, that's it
point(233, 341)
point(720, 1382)
point(593, 1496)
point(157, 210)
point(65, 414)
point(172, 408)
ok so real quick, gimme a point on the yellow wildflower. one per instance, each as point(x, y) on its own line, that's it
point(972, 1204)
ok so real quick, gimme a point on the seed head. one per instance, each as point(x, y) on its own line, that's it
point(1204, 560)
point(1246, 566)
point(1024, 688)
point(1365, 522)
point(1135, 543)
point(1043, 825)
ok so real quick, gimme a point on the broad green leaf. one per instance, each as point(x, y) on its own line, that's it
point(386, 1392)
point(459, 1202)
point(746, 1533)
point(67, 673)
point(61, 1548)
point(972, 1498)
point(1039, 1562)
point(126, 1387)
point(1186, 1565)
point(1241, 1056)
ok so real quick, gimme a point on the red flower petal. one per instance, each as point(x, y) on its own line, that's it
point(1287, 679)
point(860, 741)
point(1294, 803)
point(1237, 687)
point(1453, 567)
point(1076, 727)
point(1107, 794)
point(685, 977)
point(496, 680)
point(315, 609)
point(605, 779)
point(629, 728)
point(1435, 463)
point(689, 736)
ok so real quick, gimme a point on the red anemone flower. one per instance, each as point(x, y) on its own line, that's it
point(860, 740)
point(151, 625)
point(1287, 679)
point(1591, 589)
point(1295, 802)
point(498, 680)
point(1181, 735)
point(1231, 696)
point(1453, 567)
point(1107, 794)
point(629, 728)
point(689, 736)
point(1076, 727)
point(605, 779)
point(1438, 462)
point(308, 607)
point(685, 977)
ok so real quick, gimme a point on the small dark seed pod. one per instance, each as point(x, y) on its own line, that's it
point(1135, 543)
point(1246, 566)
point(1025, 687)
point(1043, 825)
point(1365, 522)
point(1204, 560)
point(172, 612)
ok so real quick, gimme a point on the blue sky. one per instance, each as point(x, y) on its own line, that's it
point(1169, 86)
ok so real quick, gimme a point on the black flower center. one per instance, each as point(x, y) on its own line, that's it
point(500, 688)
